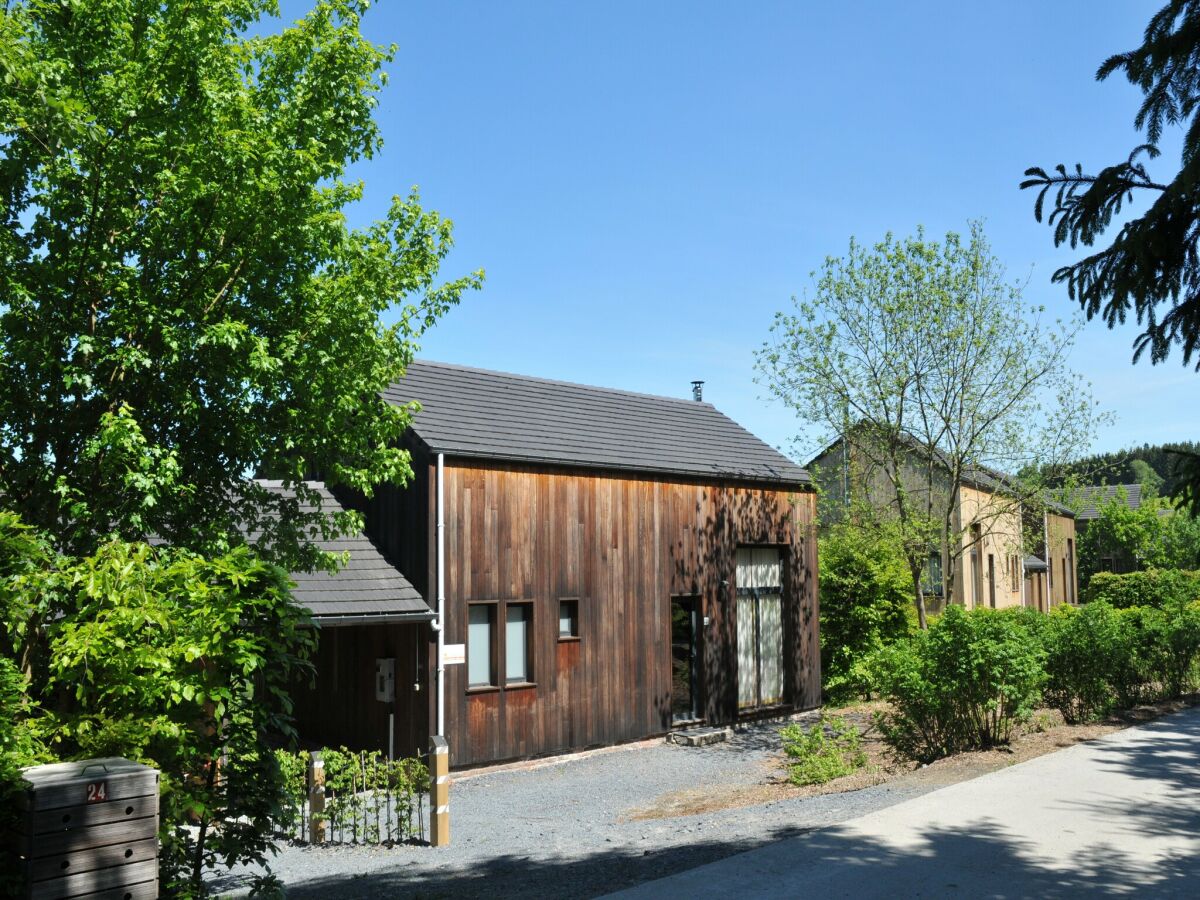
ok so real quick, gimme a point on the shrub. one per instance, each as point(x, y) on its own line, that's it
point(822, 752)
point(1153, 587)
point(866, 603)
point(178, 661)
point(1137, 676)
point(1181, 645)
point(1086, 650)
point(961, 685)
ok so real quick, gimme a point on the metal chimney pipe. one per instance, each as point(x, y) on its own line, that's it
point(698, 391)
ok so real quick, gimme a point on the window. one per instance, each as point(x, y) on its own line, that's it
point(1014, 573)
point(934, 580)
point(568, 619)
point(490, 646)
point(480, 631)
point(517, 618)
point(759, 626)
point(992, 580)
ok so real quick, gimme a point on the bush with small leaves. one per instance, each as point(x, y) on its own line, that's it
point(829, 749)
point(961, 685)
point(1086, 650)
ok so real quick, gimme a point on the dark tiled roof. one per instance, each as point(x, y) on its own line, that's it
point(493, 415)
point(977, 476)
point(1095, 495)
point(366, 586)
point(1035, 564)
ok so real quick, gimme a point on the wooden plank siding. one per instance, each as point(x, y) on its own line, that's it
point(623, 546)
point(341, 708)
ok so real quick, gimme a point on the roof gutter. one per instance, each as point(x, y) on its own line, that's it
point(373, 619)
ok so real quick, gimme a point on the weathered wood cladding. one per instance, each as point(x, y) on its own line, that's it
point(341, 708)
point(623, 545)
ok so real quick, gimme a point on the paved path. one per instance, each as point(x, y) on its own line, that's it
point(1114, 817)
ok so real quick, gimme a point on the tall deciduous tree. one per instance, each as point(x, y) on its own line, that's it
point(942, 374)
point(182, 302)
point(1151, 268)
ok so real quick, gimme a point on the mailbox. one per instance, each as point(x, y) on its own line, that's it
point(385, 680)
point(89, 828)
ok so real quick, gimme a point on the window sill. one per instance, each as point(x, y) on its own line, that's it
point(520, 685)
point(483, 689)
point(568, 639)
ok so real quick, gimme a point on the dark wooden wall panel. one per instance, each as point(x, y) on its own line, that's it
point(623, 546)
point(341, 708)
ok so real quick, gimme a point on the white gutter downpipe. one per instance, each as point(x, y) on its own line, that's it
point(440, 623)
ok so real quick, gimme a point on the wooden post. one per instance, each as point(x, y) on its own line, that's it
point(316, 798)
point(439, 791)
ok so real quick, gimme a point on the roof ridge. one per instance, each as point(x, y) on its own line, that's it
point(537, 379)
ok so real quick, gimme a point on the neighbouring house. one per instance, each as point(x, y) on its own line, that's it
point(1092, 499)
point(608, 566)
point(994, 530)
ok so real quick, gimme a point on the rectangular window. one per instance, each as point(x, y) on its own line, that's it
point(933, 585)
point(759, 626)
point(517, 619)
point(568, 619)
point(480, 640)
point(992, 580)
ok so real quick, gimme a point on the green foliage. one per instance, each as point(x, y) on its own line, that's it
point(178, 661)
point(1154, 587)
point(866, 602)
point(1147, 464)
point(1087, 649)
point(1151, 268)
point(961, 685)
point(1180, 646)
point(1154, 536)
point(934, 365)
point(1152, 260)
point(181, 299)
point(829, 749)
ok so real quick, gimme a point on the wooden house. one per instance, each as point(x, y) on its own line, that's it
point(603, 566)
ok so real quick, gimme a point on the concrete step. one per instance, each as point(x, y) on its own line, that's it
point(700, 737)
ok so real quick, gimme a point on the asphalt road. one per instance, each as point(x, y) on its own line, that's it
point(1119, 816)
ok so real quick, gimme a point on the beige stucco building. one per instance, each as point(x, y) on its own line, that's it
point(1005, 553)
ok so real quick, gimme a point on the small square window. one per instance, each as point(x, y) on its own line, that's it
point(568, 619)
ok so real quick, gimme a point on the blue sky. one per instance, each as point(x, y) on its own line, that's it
point(646, 184)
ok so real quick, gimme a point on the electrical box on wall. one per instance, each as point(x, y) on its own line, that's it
point(385, 680)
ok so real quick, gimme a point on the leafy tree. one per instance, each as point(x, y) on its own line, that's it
point(1153, 536)
point(937, 373)
point(1144, 475)
point(181, 299)
point(179, 661)
point(866, 600)
point(1151, 268)
point(1122, 466)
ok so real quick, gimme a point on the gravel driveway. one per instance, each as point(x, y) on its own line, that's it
point(561, 829)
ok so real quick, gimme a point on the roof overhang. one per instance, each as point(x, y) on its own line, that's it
point(381, 618)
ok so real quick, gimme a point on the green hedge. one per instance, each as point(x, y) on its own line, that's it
point(1153, 587)
point(961, 685)
point(966, 682)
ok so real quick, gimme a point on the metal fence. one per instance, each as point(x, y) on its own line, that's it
point(342, 796)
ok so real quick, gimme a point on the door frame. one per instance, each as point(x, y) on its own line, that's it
point(696, 601)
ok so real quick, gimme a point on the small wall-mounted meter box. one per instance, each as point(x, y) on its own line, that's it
point(385, 680)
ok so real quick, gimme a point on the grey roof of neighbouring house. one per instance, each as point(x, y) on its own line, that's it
point(366, 588)
point(1093, 496)
point(975, 475)
point(516, 418)
point(1035, 564)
